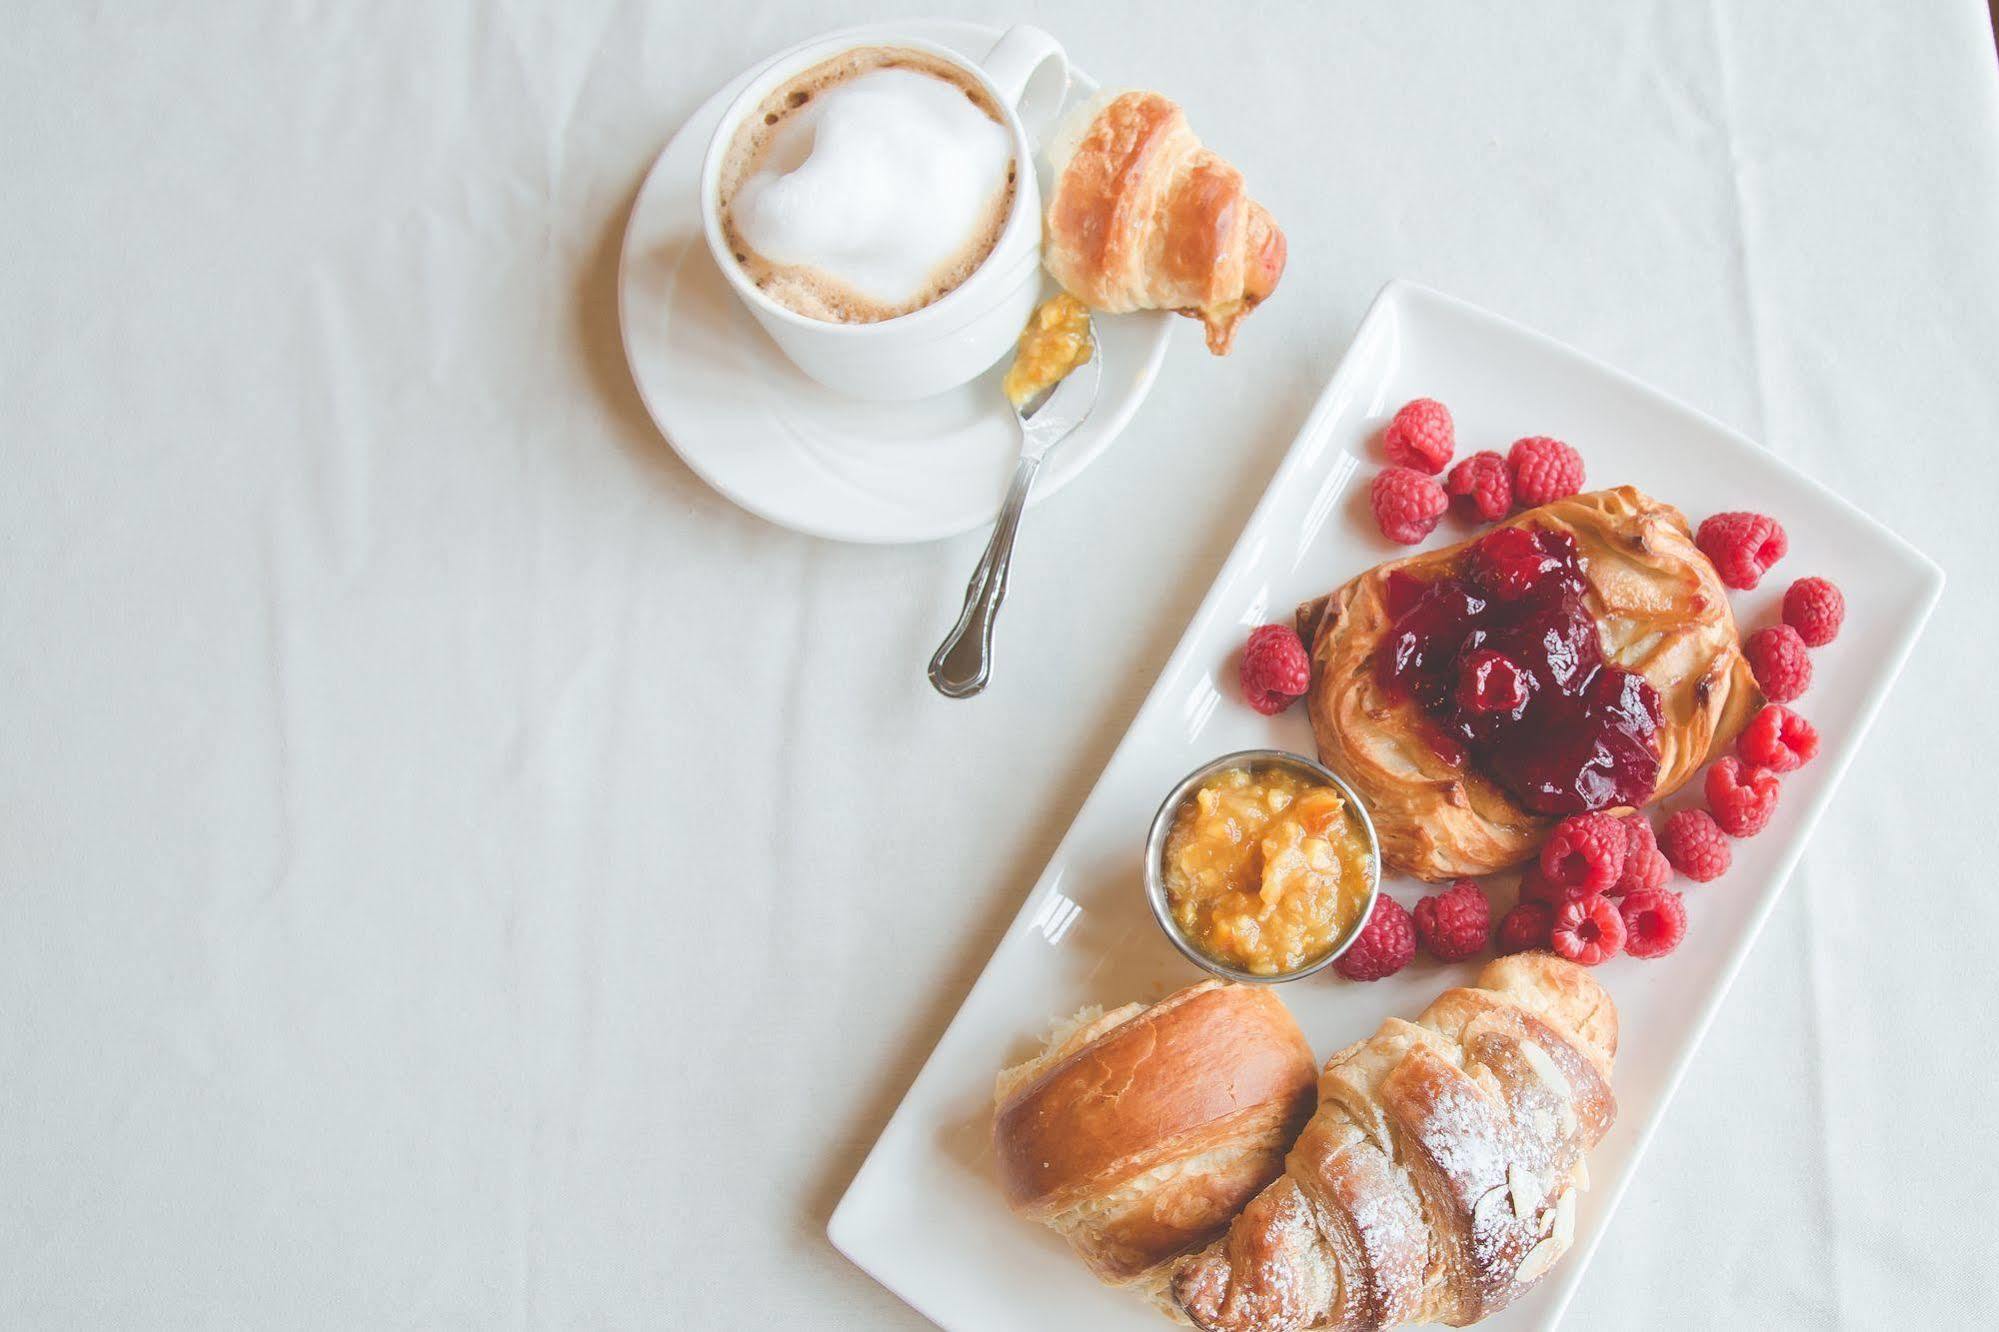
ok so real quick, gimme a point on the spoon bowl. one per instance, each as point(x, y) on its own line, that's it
point(964, 661)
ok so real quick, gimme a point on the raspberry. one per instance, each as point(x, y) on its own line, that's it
point(1585, 852)
point(1645, 867)
point(1543, 470)
point(1385, 945)
point(1510, 563)
point(1742, 546)
point(1781, 662)
point(1778, 739)
point(1647, 874)
point(1491, 682)
point(1526, 926)
point(1639, 840)
point(1693, 842)
point(1814, 608)
point(1742, 799)
point(1588, 931)
point(1407, 504)
point(1275, 669)
point(1420, 436)
point(1654, 922)
point(1481, 487)
point(1535, 886)
point(1456, 924)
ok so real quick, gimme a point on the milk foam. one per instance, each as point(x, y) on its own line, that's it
point(881, 182)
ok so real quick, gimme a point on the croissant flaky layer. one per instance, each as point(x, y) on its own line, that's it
point(1143, 217)
point(1438, 1180)
point(1661, 611)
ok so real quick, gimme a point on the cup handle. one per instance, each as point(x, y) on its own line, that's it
point(1031, 72)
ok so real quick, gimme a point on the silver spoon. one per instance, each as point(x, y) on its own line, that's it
point(964, 661)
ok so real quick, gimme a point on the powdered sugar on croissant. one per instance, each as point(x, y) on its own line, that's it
point(1439, 1179)
point(1142, 217)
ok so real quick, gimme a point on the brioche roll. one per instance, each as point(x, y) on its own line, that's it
point(1139, 1134)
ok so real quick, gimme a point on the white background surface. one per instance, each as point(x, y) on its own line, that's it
point(456, 871)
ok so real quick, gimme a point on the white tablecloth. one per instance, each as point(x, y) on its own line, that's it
point(457, 871)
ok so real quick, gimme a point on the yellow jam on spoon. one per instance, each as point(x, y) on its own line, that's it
point(1055, 341)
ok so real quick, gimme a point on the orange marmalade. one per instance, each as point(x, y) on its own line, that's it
point(1055, 341)
point(1265, 870)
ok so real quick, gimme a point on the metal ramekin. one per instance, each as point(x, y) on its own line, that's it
point(1162, 824)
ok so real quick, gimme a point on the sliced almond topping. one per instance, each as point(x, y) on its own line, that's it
point(1538, 1260)
point(1543, 1065)
point(1565, 1218)
point(1527, 1189)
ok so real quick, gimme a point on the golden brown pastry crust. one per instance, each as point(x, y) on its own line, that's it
point(1144, 1133)
point(1662, 612)
point(1143, 217)
point(1438, 1179)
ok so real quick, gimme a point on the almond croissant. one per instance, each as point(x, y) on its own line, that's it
point(1142, 217)
point(1438, 1179)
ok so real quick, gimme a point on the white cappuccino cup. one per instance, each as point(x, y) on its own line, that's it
point(962, 333)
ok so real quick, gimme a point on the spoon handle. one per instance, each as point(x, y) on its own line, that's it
point(964, 661)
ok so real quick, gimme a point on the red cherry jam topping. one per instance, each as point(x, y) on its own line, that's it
point(1504, 657)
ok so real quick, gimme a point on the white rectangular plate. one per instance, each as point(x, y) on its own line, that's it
point(924, 1216)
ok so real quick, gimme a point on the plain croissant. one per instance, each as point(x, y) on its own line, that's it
point(1138, 1136)
point(1438, 1179)
point(1144, 218)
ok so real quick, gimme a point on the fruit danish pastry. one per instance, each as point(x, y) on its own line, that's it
point(1581, 655)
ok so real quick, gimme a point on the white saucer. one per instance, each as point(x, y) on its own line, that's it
point(755, 428)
